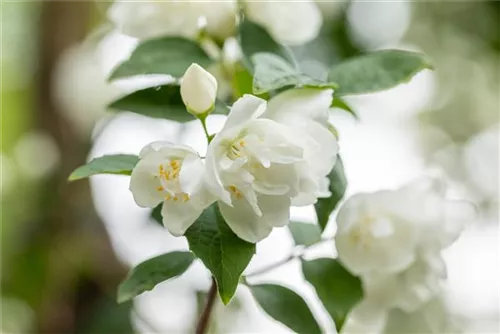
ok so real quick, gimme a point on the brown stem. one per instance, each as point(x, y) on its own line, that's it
point(204, 320)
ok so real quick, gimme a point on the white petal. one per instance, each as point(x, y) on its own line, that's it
point(244, 109)
point(171, 149)
point(191, 174)
point(298, 22)
point(215, 153)
point(302, 102)
point(243, 221)
point(144, 185)
point(275, 210)
point(178, 216)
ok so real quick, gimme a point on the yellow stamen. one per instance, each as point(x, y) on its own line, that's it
point(160, 188)
point(185, 197)
point(168, 198)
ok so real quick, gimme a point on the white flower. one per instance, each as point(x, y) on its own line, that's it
point(289, 22)
point(387, 230)
point(306, 110)
point(172, 174)
point(256, 166)
point(198, 90)
point(373, 235)
point(409, 289)
point(148, 19)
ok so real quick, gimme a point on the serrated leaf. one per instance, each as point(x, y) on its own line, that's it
point(377, 71)
point(338, 184)
point(255, 39)
point(220, 250)
point(121, 164)
point(305, 234)
point(273, 72)
point(165, 55)
point(340, 103)
point(285, 306)
point(148, 274)
point(338, 290)
point(159, 102)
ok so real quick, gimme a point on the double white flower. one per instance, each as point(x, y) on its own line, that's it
point(294, 22)
point(266, 158)
point(393, 241)
point(258, 166)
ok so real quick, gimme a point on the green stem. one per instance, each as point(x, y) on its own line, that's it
point(204, 125)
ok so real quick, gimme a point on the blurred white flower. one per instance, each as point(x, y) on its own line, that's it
point(80, 87)
point(294, 22)
point(198, 90)
point(385, 231)
point(481, 155)
point(257, 166)
point(289, 22)
point(171, 174)
point(145, 19)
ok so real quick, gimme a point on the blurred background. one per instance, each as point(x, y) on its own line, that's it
point(65, 247)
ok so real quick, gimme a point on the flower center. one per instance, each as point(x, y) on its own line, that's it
point(362, 234)
point(168, 175)
point(236, 150)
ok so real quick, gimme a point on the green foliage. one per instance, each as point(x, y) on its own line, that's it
point(340, 103)
point(220, 250)
point(338, 184)
point(273, 72)
point(255, 39)
point(148, 274)
point(338, 290)
point(377, 71)
point(165, 55)
point(305, 234)
point(159, 102)
point(285, 306)
point(109, 164)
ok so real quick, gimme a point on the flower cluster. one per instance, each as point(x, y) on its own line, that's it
point(393, 241)
point(267, 157)
point(298, 22)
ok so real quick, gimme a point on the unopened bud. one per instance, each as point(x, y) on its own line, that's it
point(198, 90)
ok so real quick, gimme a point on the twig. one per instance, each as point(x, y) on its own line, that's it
point(204, 320)
point(286, 260)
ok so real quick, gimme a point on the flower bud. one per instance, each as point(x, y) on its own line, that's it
point(198, 90)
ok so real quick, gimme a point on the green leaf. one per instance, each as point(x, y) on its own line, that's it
point(159, 102)
point(165, 55)
point(377, 71)
point(273, 72)
point(338, 290)
point(255, 39)
point(338, 184)
point(148, 274)
point(121, 164)
point(285, 306)
point(340, 103)
point(222, 252)
point(305, 234)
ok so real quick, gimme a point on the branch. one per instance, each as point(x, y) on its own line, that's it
point(204, 320)
point(287, 259)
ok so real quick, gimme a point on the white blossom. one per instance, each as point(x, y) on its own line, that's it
point(384, 231)
point(171, 174)
point(292, 22)
point(147, 19)
point(289, 22)
point(198, 90)
point(306, 111)
point(256, 166)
